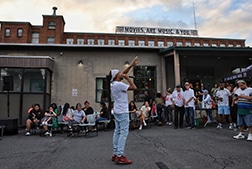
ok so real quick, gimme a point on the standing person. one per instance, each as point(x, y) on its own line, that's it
point(178, 103)
point(160, 104)
point(121, 114)
point(222, 96)
point(168, 107)
point(147, 97)
point(244, 97)
point(207, 105)
point(189, 105)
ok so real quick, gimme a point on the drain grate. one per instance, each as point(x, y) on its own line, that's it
point(161, 165)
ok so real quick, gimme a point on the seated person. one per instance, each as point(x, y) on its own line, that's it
point(67, 112)
point(133, 113)
point(144, 113)
point(78, 117)
point(34, 118)
point(104, 115)
point(48, 116)
point(88, 109)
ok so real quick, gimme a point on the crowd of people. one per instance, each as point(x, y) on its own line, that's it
point(233, 104)
point(72, 115)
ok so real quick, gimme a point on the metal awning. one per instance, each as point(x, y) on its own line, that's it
point(8, 61)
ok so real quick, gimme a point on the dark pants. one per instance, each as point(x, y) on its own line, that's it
point(180, 111)
point(159, 111)
point(168, 114)
point(233, 113)
point(189, 115)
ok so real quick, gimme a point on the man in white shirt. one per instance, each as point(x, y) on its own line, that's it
point(178, 103)
point(121, 111)
point(222, 96)
point(189, 106)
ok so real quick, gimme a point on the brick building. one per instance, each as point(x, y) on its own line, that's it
point(50, 65)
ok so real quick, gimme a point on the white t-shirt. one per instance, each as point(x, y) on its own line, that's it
point(178, 98)
point(145, 110)
point(224, 94)
point(188, 94)
point(245, 92)
point(168, 101)
point(119, 92)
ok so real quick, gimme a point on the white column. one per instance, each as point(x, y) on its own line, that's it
point(176, 68)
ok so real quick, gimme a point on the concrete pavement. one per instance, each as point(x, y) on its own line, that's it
point(158, 147)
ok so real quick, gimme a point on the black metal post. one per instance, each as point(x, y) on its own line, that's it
point(8, 104)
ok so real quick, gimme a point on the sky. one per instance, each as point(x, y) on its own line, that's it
point(214, 18)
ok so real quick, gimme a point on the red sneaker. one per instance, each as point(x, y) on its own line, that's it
point(122, 160)
point(113, 158)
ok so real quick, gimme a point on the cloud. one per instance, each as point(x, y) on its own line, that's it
point(229, 18)
point(220, 20)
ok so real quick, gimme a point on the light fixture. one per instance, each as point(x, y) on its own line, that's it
point(80, 63)
point(126, 64)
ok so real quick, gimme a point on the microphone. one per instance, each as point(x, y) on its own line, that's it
point(131, 76)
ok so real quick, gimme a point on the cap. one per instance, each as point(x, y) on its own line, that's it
point(241, 81)
point(113, 74)
point(205, 91)
point(178, 85)
point(187, 83)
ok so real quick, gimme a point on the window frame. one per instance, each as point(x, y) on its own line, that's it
point(70, 41)
point(35, 39)
point(50, 40)
point(145, 79)
point(51, 25)
point(7, 32)
point(20, 34)
point(103, 91)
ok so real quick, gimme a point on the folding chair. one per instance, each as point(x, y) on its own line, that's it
point(61, 122)
point(91, 126)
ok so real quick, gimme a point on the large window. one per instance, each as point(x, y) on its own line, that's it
point(145, 80)
point(7, 32)
point(35, 37)
point(101, 90)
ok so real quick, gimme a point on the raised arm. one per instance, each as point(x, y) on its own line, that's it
point(133, 63)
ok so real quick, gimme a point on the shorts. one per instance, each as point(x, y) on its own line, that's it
point(224, 110)
point(245, 120)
